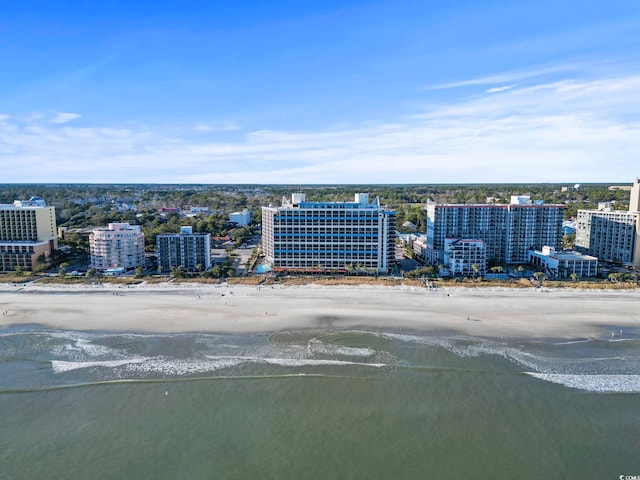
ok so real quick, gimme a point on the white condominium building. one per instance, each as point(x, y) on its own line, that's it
point(465, 256)
point(329, 236)
point(508, 231)
point(27, 233)
point(119, 246)
point(564, 264)
point(612, 235)
point(242, 219)
point(191, 251)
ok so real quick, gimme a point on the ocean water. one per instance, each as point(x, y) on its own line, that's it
point(316, 405)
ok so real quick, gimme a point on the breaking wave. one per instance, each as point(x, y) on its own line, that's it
point(593, 383)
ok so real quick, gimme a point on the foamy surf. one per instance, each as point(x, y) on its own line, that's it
point(60, 366)
point(593, 383)
point(296, 362)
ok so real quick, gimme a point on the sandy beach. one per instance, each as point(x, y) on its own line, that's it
point(178, 308)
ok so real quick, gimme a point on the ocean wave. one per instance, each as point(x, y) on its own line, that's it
point(60, 366)
point(593, 383)
point(296, 362)
point(181, 367)
point(317, 346)
point(564, 363)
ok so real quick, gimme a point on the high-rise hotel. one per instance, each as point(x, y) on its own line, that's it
point(329, 236)
point(27, 233)
point(509, 232)
point(612, 235)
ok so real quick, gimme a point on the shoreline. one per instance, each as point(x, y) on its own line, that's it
point(239, 309)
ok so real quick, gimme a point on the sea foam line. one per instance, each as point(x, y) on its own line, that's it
point(593, 383)
point(294, 362)
point(60, 366)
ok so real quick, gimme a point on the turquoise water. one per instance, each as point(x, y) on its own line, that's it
point(316, 404)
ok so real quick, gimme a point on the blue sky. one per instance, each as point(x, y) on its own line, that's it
point(319, 92)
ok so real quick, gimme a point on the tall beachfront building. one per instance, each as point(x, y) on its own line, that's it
point(612, 235)
point(329, 236)
point(508, 231)
point(118, 247)
point(27, 233)
point(191, 251)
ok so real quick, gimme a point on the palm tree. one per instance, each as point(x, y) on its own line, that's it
point(475, 268)
point(540, 277)
point(520, 270)
point(574, 277)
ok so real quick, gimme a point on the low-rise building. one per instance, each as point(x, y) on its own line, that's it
point(242, 219)
point(564, 264)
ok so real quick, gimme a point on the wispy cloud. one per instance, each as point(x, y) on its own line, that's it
point(508, 77)
point(566, 130)
point(217, 127)
point(65, 117)
point(499, 89)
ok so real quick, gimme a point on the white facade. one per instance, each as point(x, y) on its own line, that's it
point(242, 219)
point(564, 264)
point(466, 257)
point(27, 231)
point(634, 197)
point(329, 236)
point(419, 245)
point(118, 246)
point(612, 235)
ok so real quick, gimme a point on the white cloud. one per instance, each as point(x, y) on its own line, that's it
point(567, 130)
point(508, 77)
point(65, 117)
point(499, 89)
point(217, 127)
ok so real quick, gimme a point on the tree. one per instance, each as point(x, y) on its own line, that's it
point(520, 270)
point(540, 277)
point(560, 272)
point(574, 277)
point(177, 272)
point(476, 269)
point(62, 271)
point(568, 241)
point(139, 272)
point(91, 272)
